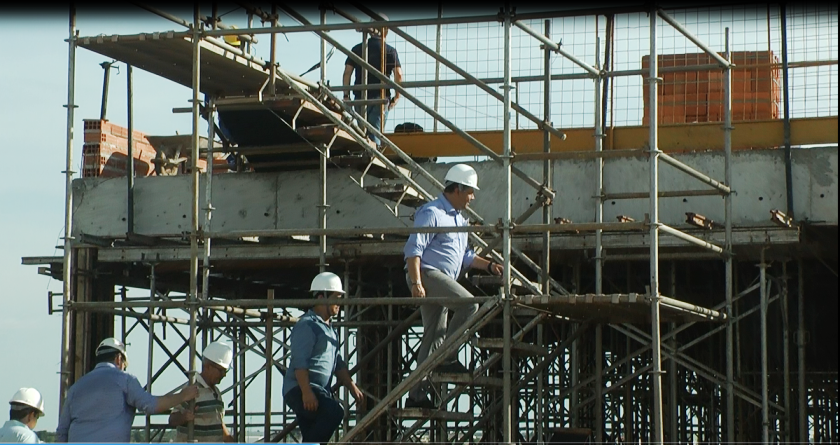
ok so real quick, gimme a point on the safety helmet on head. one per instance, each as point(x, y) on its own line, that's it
point(218, 353)
point(463, 174)
point(109, 345)
point(29, 397)
point(326, 282)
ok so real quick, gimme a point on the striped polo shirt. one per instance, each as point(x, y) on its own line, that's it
point(209, 415)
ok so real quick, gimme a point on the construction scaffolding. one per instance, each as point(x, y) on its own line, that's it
point(597, 330)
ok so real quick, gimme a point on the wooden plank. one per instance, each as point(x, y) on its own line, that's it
point(672, 138)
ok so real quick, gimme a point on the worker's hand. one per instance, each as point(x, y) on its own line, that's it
point(188, 416)
point(189, 393)
point(357, 394)
point(310, 402)
point(496, 269)
point(393, 103)
point(417, 291)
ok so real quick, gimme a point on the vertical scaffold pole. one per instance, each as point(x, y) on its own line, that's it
point(654, 236)
point(150, 345)
point(786, 353)
point(727, 152)
point(322, 166)
point(800, 345)
point(269, 362)
point(506, 365)
point(67, 288)
point(129, 165)
point(599, 260)
point(546, 214)
point(765, 409)
point(438, 30)
point(196, 116)
point(208, 202)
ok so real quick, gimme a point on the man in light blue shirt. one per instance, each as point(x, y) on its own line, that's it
point(100, 406)
point(26, 407)
point(314, 359)
point(433, 263)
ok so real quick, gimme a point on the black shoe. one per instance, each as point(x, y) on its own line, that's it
point(423, 403)
point(452, 368)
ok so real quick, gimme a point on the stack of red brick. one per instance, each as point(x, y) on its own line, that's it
point(105, 152)
point(697, 96)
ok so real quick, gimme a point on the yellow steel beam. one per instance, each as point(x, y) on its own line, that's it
point(672, 138)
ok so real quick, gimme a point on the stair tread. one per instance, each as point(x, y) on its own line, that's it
point(438, 414)
point(465, 379)
point(498, 343)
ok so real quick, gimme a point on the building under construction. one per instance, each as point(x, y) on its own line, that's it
point(659, 184)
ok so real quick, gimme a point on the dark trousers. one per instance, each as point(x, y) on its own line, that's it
point(315, 426)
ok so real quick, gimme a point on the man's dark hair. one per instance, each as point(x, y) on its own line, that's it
point(19, 411)
point(450, 187)
point(108, 356)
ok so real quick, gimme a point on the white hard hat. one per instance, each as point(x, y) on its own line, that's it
point(110, 345)
point(29, 397)
point(219, 353)
point(463, 174)
point(327, 282)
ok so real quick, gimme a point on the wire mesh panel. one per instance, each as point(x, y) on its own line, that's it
point(686, 95)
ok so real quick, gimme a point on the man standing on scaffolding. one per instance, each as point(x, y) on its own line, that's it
point(433, 263)
point(384, 58)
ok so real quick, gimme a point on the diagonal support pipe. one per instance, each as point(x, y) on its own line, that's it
point(557, 48)
point(485, 314)
point(541, 124)
point(392, 84)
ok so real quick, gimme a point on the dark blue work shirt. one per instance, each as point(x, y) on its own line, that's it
point(374, 58)
point(314, 345)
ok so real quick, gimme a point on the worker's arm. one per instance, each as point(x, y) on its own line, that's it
point(344, 378)
point(310, 402)
point(348, 73)
point(302, 342)
point(414, 247)
point(165, 403)
point(490, 266)
point(180, 417)
point(228, 437)
point(417, 290)
point(63, 422)
point(398, 79)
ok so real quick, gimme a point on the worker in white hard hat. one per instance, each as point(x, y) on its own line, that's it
point(314, 359)
point(25, 408)
point(434, 262)
point(209, 414)
point(100, 406)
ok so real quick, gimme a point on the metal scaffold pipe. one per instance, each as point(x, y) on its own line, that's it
point(67, 271)
point(557, 48)
point(507, 415)
point(193, 295)
point(208, 202)
point(654, 236)
point(728, 214)
point(765, 409)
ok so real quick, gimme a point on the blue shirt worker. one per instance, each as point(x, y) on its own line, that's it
point(100, 406)
point(314, 359)
point(434, 262)
point(25, 408)
point(208, 417)
point(376, 47)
